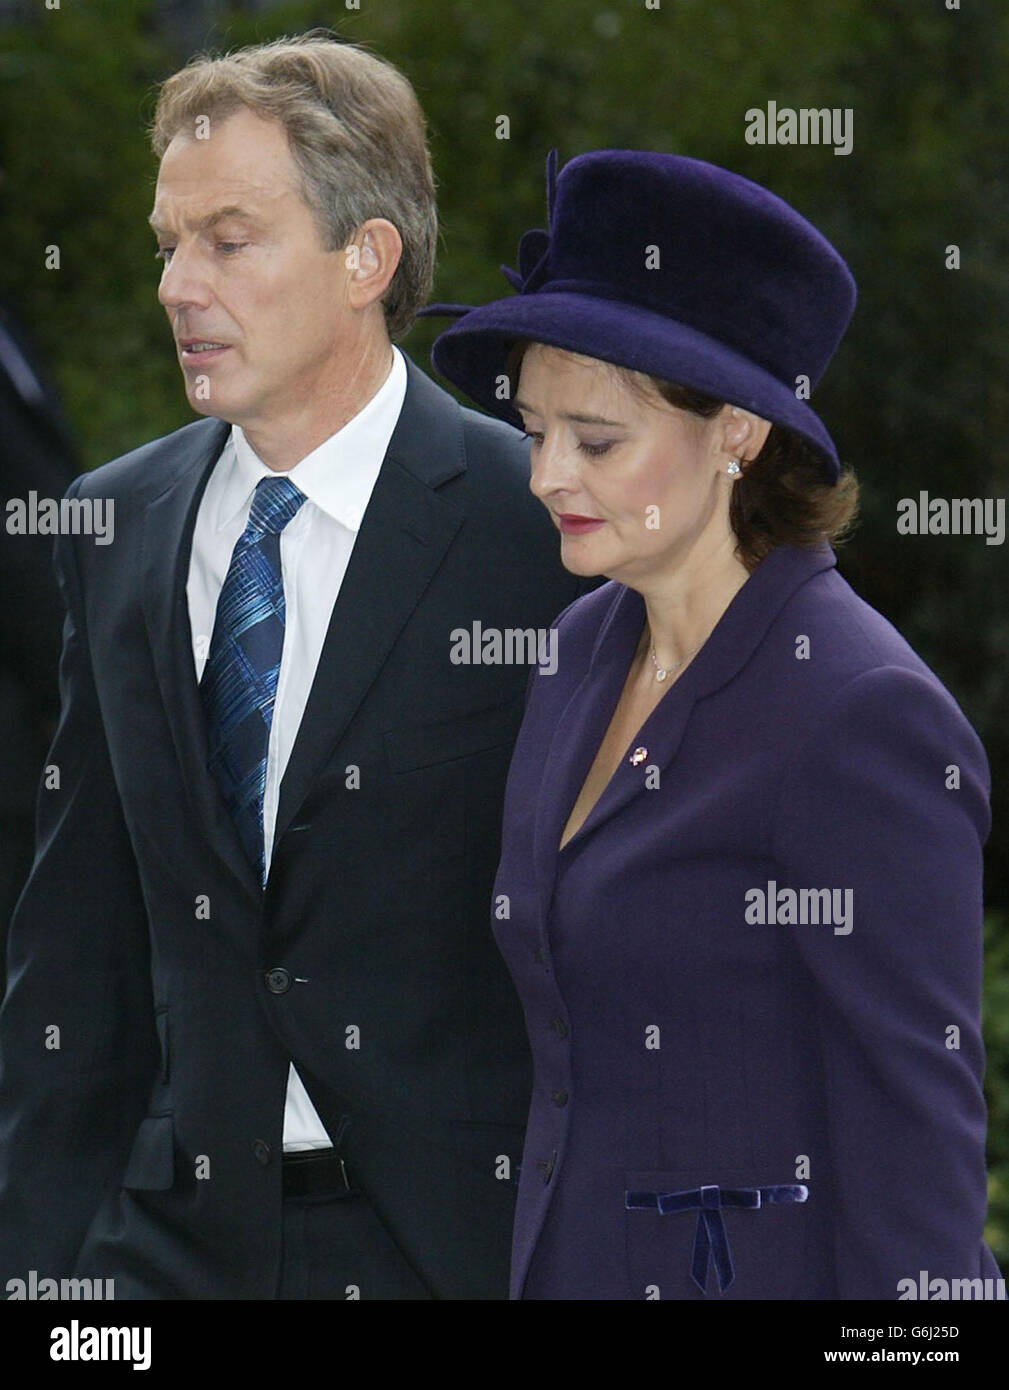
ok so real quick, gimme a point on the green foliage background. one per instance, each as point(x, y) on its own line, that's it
point(916, 398)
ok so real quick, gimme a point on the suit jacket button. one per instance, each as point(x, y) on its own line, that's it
point(559, 1027)
point(560, 1097)
point(262, 1151)
point(278, 981)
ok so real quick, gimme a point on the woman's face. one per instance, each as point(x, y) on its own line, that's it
point(633, 484)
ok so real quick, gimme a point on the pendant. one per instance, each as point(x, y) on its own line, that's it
point(661, 673)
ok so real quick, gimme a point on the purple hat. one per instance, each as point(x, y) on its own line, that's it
point(675, 268)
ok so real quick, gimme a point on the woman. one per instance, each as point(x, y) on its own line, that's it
point(740, 890)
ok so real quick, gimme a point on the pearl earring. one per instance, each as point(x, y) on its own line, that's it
point(733, 467)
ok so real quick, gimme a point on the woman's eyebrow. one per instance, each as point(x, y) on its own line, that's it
point(574, 416)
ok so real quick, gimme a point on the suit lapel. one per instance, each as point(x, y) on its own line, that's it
point(168, 536)
point(581, 728)
point(404, 534)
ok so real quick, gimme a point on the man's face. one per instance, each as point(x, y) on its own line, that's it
point(246, 271)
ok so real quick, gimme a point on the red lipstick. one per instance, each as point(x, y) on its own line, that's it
point(572, 524)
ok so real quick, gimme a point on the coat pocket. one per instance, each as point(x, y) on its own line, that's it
point(151, 1164)
point(766, 1243)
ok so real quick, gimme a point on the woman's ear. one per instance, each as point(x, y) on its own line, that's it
point(744, 434)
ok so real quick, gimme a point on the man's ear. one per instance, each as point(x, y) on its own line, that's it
point(372, 257)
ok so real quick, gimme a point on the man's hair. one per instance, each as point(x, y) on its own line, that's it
point(356, 132)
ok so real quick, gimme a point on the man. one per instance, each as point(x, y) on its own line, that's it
point(257, 1040)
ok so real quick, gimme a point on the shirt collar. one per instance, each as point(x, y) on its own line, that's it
point(338, 475)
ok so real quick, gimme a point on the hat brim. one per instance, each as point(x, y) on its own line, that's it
point(472, 354)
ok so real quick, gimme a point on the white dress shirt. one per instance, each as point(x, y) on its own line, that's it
point(337, 479)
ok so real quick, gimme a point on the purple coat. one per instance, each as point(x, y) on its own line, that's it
point(818, 1072)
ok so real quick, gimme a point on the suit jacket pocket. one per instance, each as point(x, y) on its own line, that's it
point(767, 1244)
point(460, 737)
point(151, 1164)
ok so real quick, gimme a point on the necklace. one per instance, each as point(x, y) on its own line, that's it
point(662, 672)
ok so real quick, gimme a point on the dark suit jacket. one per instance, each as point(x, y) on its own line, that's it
point(678, 1045)
point(143, 936)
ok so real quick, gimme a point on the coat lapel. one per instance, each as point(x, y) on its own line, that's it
point(168, 536)
point(579, 732)
point(581, 728)
point(404, 534)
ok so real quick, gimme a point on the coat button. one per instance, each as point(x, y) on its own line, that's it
point(546, 1166)
point(559, 1097)
point(278, 981)
point(559, 1027)
point(262, 1151)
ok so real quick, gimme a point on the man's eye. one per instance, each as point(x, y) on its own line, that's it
point(534, 438)
point(230, 247)
point(163, 253)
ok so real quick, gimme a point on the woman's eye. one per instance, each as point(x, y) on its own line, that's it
point(535, 438)
point(229, 247)
point(164, 253)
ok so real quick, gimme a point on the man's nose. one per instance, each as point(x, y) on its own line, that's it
point(184, 280)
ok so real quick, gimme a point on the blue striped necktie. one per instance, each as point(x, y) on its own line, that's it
point(239, 682)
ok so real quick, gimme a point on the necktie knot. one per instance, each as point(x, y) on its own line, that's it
point(274, 503)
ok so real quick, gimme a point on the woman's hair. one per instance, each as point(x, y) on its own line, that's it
point(356, 133)
point(781, 497)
